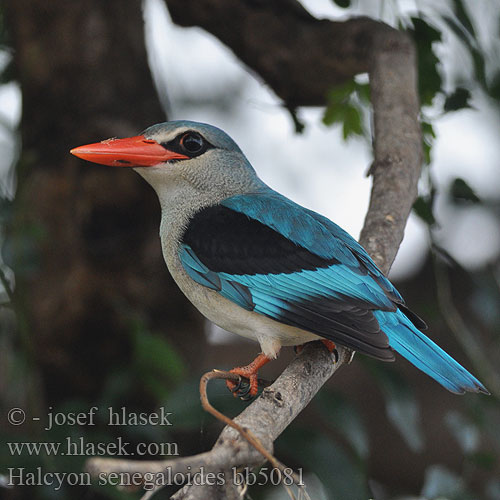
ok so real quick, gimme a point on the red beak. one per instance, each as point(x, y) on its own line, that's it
point(131, 152)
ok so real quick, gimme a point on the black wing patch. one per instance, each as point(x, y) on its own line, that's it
point(229, 241)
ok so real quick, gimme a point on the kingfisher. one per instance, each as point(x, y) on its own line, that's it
point(258, 264)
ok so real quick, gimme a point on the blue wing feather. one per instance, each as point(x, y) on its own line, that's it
point(347, 299)
point(422, 352)
point(228, 288)
point(360, 252)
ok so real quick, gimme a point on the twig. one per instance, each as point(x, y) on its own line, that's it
point(245, 433)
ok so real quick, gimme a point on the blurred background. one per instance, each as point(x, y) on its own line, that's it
point(90, 317)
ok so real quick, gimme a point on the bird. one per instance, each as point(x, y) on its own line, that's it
point(257, 264)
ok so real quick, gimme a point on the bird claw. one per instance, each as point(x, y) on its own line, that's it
point(247, 396)
point(242, 388)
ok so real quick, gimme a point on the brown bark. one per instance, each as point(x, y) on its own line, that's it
point(300, 57)
point(84, 240)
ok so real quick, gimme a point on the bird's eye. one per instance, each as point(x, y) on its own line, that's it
point(192, 143)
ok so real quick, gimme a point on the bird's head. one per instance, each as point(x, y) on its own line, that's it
point(179, 152)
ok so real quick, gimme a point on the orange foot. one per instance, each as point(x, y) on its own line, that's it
point(250, 372)
point(327, 343)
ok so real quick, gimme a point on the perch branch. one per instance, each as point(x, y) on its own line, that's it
point(332, 52)
point(244, 432)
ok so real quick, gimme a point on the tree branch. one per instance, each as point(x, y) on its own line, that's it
point(300, 57)
point(397, 146)
point(331, 52)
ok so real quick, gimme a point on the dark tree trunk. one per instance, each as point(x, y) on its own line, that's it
point(84, 240)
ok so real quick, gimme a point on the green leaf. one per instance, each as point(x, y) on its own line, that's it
point(333, 114)
point(341, 93)
point(344, 417)
point(352, 123)
point(428, 130)
point(427, 149)
point(429, 79)
point(423, 208)
point(428, 135)
point(345, 106)
point(458, 100)
point(460, 191)
point(363, 91)
point(346, 114)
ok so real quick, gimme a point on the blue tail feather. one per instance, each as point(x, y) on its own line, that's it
point(422, 352)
